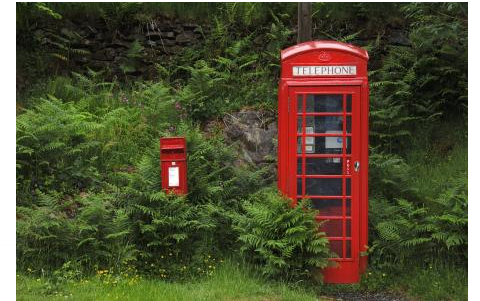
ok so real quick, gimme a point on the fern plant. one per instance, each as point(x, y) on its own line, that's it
point(56, 150)
point(283, 242)
point(433, 230)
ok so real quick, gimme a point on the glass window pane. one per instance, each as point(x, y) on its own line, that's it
point(348, 207)
point(349, 124)
point(331, 207)
point(299, 104)
point(324, 103)
point(299, 166)
point(348, 249)
point(349, 186)
point(332, 227)
point(299, 125)
point(324, 124)
point(348, 230)
point(336, 246)
point(299, 145)
point(323, 186)
point(324, 145)
point(349, 103)
point(299, 186)
point(323, 166)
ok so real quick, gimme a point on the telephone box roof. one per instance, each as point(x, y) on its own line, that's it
point(323, 45)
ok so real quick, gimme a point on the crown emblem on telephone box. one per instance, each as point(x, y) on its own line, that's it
point(324, 57)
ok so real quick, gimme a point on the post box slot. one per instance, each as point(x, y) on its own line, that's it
point(173, 151)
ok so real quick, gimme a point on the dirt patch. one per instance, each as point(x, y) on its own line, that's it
point(362, 296)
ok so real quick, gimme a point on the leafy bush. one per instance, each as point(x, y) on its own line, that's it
point(435, 230)
point(56, 149)
point(424, 82)
point(46, 237)
point(283, 242)
point(172, 232)
point(389, 176)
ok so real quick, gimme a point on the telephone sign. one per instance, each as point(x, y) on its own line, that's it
point(322, 131)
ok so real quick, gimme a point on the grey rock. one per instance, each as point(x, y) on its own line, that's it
point(66, 32)
point(255, 132)
point(185, 38)
point(137, 36)
point(166, 42)
point(178, 29)
point(39, 33)
point(119, 43)
point(106, 54)
point(168, 35)
point(150, 43)
point(81, 60)
point(153, 35)
point(87, 42)
point(136, 30)
point(190, 26)
point(99, 65)
point(99, 55)
point(99, 36)
point(172, 49)
point(92, 29)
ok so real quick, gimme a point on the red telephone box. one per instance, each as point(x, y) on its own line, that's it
point(323, 145)
point(173, 158)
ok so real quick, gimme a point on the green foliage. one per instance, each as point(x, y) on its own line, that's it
point(45, 236)
point(283, 242)
point(56, 148)
point(425, 81)
point(88, 185)
point(389, 176)
point(230, 281)
point(435, 230)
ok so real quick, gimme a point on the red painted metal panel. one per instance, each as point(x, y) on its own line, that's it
point(352, 227)
point(173, 163)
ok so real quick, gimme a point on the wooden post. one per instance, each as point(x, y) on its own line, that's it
point(304, 22)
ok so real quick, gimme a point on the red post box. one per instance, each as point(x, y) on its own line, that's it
point(173, 158)
point(323, 145)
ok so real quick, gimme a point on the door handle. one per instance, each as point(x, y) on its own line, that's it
point(356, 166)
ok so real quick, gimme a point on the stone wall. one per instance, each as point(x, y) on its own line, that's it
point(128, 51)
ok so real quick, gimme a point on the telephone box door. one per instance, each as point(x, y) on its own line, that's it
point(324, 163)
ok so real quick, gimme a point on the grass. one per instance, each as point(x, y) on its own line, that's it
point(434, 164)
point(230, 282)
point(235, 282)
point(433, 283)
